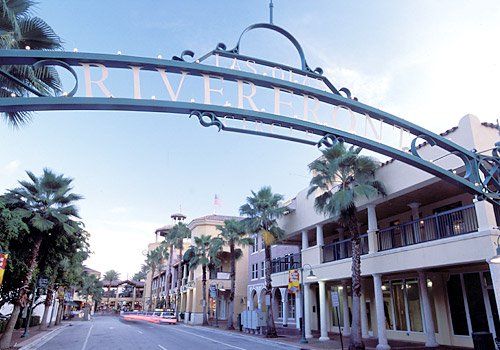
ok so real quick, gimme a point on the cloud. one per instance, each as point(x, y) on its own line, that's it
point(13, 166)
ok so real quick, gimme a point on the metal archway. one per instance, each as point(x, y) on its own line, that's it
point(480, 175)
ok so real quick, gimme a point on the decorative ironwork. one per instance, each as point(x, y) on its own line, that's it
point(40, 64)
point(329, 140)
point(188, 53)
point(208, 119)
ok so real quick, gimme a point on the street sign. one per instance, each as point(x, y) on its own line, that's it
point(335, 299)
point(213, 291)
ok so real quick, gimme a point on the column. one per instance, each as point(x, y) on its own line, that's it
point(426, 305)
point(133, 299)
point(414, 210)
point(495, 276)
point(305, 240)
point(372, 229)
point(323, 312)
point(364, 316)
point(307, 308)
point(319, 236)
point(345, 309)
point(379, 306)
point(485, 215)
point(284, 305)
point(298, 309)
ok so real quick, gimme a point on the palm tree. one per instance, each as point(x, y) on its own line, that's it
point(343, 176)
point(153, 261)
point(262, 211)
point(203, 253)
point(177, 235)
point(19, 29)
point(90, 287)
point(110, 276)
point(47, 204)
point(233, 234)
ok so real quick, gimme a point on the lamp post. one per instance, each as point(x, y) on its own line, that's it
point(311, 275)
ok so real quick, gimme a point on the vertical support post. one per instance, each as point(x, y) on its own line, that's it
point(379, 305)
point(284, 306)
point(307, 311)
point(364, 316)
point(305, 240)
point(428, 321)
point(323, 312)
point(303, 339)
point(372, 229)
point(319, 236)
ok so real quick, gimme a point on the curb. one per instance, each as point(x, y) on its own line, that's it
point(40, 338)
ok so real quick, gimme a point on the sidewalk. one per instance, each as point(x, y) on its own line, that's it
point(291, 337)
point(35, 335)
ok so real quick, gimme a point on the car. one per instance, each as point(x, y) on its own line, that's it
point(167, 317)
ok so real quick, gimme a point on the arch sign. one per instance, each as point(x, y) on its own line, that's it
point(229, 90)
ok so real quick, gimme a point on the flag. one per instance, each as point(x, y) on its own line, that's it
point(217, 201)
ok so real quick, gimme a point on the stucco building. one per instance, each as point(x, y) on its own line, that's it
point(425, 271)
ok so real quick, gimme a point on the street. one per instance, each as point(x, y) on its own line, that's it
point(108, 332)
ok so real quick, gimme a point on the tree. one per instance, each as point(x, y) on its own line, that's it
point(90, 287)
point(203, 253)
point(19, 29)
point(262, 211)
point(110, 276)
point(233, 234)
point(46, 204)
point(142, 274)
point(153, 261)
point(178, 233)
point(343, 176)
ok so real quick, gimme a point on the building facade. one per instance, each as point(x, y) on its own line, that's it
point(426, 245)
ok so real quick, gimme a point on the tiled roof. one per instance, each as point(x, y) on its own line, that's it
point(215, 217)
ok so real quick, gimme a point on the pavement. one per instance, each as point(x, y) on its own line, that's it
point(287, 337)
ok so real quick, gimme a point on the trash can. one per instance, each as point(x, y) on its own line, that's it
point(483, 341)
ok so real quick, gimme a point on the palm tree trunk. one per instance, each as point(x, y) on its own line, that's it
point(271, 327)
point(151, 289)
point(179, 279)
point(60, 312)
point(23, 293)
point(356, 340)
point(48, 302)
point(233, 286)
point(169, 277)
point(204, 291)
point(109, 288)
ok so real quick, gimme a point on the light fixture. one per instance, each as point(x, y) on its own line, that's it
point(160, 56)
point(27, 47)
point(75, 50)
point(311, 275)
point(496, 258)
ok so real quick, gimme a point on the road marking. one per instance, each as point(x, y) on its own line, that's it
point(215, 341)
point(140, 332)
point(87, 338)
point(161, 347)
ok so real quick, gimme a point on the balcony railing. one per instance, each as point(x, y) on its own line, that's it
point(285, 263)
point(446, 224)
point(343, 249)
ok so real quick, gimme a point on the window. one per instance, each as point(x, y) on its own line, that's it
point(262, 269)
point(457, 306)
point(402, 305)
point(262, 243)
point(255, 272)
point(254, 246)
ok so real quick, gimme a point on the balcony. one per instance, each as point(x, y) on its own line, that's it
point(442, 225)
point(343, 249)
point(285, 263)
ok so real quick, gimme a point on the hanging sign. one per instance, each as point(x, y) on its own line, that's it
point(335, 299)
point(293, 281)
point(3, 265)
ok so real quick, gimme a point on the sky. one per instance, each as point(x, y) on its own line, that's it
point(429, 62)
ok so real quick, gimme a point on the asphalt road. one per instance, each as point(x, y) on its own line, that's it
point(112, 333)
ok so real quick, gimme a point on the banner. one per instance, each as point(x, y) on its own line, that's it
point(293, 281)
point(3, 265)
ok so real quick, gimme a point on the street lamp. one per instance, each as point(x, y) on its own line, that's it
point(311, 275)
point(496, 258)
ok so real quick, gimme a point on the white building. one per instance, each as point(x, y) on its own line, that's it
point(425, 249)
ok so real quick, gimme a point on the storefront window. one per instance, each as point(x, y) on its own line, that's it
point(386, 292)
point(457, 306)
point(475, 300)
point(291, 306)
point(398, 294)
point(414, 311)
